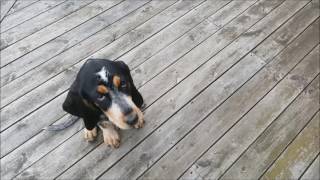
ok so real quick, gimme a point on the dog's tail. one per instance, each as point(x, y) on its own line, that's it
point(63, 125)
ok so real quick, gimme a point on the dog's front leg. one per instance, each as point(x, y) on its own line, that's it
point(90, 135)
point(90, 130)
point(110, 134)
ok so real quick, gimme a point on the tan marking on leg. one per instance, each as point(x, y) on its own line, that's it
point(90, 135)
point(110, 134)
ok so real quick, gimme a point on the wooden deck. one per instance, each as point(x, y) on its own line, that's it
point(231, 87)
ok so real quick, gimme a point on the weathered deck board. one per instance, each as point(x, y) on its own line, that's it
point(63, 82)
point(20, 4)
point(155, 112)
point(27, 28)
point(66, 59)
point(76, 139)
point(55, 86)
point(6, 6)
point(239, 103)
point(58, 37)
point(163, 37)
point(140, 34)
point(224, 152)
point(35, 148)
point(168, 134)
point(180, 122)
point(144, 72)
point(298, 155)
point(313, 171)
point(166, 109)
point(209, 71)
point(27, 13)
point(92, 172)
point(10, 116)
point(275, 138)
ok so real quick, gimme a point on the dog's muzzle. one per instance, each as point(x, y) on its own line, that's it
point(123, 112)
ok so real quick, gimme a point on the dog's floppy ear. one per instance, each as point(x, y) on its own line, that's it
point(136, 96)
point(74, 103)
point(70, 103)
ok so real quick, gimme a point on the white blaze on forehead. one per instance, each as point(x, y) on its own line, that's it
point(103, 73)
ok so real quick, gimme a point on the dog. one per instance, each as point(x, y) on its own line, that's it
point(105, 88)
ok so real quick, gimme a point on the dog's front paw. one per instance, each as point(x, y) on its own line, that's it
point(110, 134)
point(90, 135)
point(140, 124)
point(112, 139)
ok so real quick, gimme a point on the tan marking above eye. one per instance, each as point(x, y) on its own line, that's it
point(116, 81)
point(102, 89)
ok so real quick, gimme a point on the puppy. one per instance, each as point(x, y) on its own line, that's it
point(105, 88)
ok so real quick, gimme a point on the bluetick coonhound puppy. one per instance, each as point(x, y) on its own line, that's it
point(105, 88)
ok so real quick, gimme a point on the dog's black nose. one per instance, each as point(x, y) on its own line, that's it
point(127, 110)
point(132, 119)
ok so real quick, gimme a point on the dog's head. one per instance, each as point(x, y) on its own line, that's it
point(108, 86)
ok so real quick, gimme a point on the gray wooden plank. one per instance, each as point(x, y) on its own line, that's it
point(54, 170)
point(20, 4)
point(7, 137)
point(157, 22)
point(99, 153)
point(33, 123)
point(313, 171)
point(92, 44)
point(298, 155)
point(79, 141)
point(196, 143)
point(10, 115)
point(27, 28)
point(168, 35)
point(43, 69)
point(61, 83)
point(184, 6)
point(8, 119)
point(36, 147)
point(164, 59)
point(27, 13)
point(5, 8)
point(227, 149)
point(152, 148)
point(140, 34)
point(178, 70)
point(190, 148)
point(38, 95)
point(181, 46)
point(304, 17)
point(60, 35)
point(270, 144)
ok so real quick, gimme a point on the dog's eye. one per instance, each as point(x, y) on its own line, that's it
point(101, 97)
point(123, 84)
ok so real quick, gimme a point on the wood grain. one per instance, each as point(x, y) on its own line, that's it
point(298, 155)
point(35, 24)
